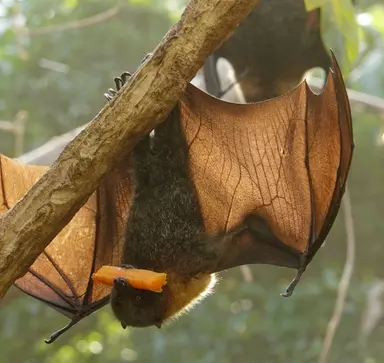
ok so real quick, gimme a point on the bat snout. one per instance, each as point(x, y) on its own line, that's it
point(121, 284)
point(137, 308)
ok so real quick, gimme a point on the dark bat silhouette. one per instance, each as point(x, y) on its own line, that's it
point(270, 50)
point(217, 185)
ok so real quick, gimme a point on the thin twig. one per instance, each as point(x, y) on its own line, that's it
point(7, 126)
point(20, 120)
point(355, 97)
point(247, 273)
point(369, 101)
point(17, 128)
point(344, 281)
point(76, 24)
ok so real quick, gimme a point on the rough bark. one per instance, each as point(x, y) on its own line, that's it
point(27, 228)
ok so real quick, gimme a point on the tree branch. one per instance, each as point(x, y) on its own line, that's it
point(344, 281)
point(28, 227)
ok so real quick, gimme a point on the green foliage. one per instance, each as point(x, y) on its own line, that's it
point(347, 25)
point(59, 79)
point(314, 4)
point(340, 15)
point(377, 12)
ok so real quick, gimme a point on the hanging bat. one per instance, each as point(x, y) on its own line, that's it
point(270, 50)
point(215, 186)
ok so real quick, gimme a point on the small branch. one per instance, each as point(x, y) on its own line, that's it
point(344, 281)
point(247, 273)
point(28, 227)
point(47, 153)
point(7, 126)
point(19, 132)
point(76, 24)
point(17, 128)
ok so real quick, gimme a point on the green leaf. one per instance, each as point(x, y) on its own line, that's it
point(345, 19)
point(141, 2)
point(70, 4)
point(377, 12)
point(314, 4)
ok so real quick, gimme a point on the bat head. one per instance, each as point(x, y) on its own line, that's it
point(137, 307)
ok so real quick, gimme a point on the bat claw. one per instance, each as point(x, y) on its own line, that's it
point(288, 292)
point(108, 96)
point(291, 287)
point(56, 334)
point(119, 82)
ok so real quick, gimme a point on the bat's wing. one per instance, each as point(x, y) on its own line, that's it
point(61, 275)
point(270, 174)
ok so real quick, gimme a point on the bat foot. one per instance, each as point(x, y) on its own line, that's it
point(119, 82)
point(291, 287)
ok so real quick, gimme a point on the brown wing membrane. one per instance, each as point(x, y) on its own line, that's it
point(61, 275)
point(346, 150)
point(280, 165)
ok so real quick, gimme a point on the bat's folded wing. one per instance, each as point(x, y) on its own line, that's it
point(61, 275)
point(276, 168)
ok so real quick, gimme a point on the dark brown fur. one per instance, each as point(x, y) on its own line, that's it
point(271, 50)
point(164, 230)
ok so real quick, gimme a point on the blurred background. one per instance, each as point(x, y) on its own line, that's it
point(58, 57)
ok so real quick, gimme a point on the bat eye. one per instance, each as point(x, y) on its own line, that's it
point(138, 298)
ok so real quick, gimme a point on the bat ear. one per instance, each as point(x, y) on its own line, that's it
point(158, 325)
point(124, 326)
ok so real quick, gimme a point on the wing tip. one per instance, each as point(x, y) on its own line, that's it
point(334, 80)
point(342, 95)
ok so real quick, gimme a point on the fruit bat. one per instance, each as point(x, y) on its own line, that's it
point(215, 186)
point(270, 50)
